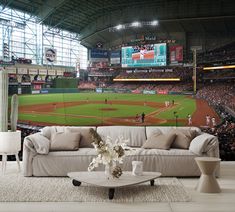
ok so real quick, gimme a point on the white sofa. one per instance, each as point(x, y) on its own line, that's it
point(173, 162)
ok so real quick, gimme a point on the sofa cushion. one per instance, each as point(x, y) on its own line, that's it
point(135, 135)
point(183, 138)
point(48, 131)
point(63, 141)
point(86, 139)
point(159, 141)
point(199, 144)
point(153, 129)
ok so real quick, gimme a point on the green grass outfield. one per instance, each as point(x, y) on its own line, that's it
point(93, 114)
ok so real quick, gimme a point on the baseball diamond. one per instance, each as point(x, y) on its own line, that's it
point(119, 109)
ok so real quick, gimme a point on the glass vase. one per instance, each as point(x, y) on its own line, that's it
point(108, 170)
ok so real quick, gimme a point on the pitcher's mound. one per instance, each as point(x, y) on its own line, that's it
point(108, 109)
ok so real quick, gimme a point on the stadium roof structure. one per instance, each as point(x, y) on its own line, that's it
point(95, 20)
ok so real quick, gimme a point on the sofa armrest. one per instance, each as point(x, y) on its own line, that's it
point(28, 154)
point(33, 144)
point(205, 144)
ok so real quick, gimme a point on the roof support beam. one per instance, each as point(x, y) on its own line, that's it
point(48, 8)
point(7, 5)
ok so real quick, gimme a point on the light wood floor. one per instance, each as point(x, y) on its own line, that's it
point(201, 202)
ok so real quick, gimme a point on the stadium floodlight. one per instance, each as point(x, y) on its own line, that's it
point(219, 67)
point(119, 26)
point(146, 80)
point(135, 24)
point(154, 23)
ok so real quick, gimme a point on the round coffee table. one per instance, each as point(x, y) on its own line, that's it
point(207, 182)
point(99, 179)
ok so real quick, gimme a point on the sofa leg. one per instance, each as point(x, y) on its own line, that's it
point(76, 183)
point(152, 182)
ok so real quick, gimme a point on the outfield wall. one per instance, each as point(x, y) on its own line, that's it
point(106, 90)
point(58, 90)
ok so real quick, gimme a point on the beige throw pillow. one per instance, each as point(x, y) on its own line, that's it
point(159, 141)
point(183, 138)
point(86, 138)
point(62, 141)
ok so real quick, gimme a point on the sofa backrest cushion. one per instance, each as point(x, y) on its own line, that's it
point(160, 141)
point(183, 138)
point(64, 141)
point(86, 138)
point(153, 129)
point(136, 135)
point(85, 141)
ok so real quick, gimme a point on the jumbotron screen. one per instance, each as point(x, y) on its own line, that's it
point(144, 55)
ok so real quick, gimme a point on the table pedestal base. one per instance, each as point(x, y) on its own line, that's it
point(208, 184)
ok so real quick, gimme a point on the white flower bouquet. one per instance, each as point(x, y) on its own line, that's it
point(109, 152)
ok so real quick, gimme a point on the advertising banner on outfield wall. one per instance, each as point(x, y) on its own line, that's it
point(149, 92)
point(35, 91)
point(176, 54)
point(99, 90)
point(136, 91)
point(163, 92)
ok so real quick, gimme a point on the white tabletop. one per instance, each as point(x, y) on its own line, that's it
point(99, 178)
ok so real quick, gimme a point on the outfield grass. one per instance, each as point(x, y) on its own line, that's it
point(67, 97)
point(61, 120)
point(184, 106)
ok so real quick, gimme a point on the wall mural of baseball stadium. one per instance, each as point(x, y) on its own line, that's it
point(135, 85)
point(113, 109)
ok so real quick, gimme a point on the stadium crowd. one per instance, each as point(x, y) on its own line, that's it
point(87, 85)
point(225, 53)
point(182, 73)
point(218, 74)
point(226, 136)
point(218, 94)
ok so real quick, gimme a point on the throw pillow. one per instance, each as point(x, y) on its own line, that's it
point(62, 141)
point(159, 141)
point(86, 138)
point(183, 138)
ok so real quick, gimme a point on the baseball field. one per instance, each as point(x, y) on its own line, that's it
point(111, 109)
